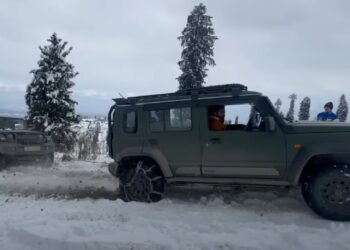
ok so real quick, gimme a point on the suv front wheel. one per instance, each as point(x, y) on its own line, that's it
point(327, 192)
point(144, 183)
point(2, 162)
point(48, 160)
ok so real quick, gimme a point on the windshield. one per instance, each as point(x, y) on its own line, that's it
point(8, 123)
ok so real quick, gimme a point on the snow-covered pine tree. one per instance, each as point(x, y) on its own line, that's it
point(197, 40)
point(343, 109)
point(304, 112)
point(290, 114)
point(48, 97)
point(278, 105)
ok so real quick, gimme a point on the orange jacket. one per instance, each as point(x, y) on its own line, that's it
point(216, 124)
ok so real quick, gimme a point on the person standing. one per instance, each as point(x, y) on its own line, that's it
point(327, 115)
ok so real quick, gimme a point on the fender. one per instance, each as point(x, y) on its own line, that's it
point(340, 151)
point(150, 152)
point(162, 162)
point(128, 152)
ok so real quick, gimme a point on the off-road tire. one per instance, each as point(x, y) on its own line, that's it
point(144, 183)
point(2, 162)
point(327, 192)
point(48, 160)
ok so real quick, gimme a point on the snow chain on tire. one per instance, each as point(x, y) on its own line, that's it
point(143, 183)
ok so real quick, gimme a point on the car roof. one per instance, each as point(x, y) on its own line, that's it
point(204, 93)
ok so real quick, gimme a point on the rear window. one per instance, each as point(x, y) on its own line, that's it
point(130, 122)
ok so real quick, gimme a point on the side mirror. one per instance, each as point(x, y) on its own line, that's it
point(270, 124)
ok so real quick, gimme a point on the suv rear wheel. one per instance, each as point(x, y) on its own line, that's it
point(327, 192)
point(144, 183)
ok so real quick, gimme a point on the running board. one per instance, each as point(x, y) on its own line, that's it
point(209, 180)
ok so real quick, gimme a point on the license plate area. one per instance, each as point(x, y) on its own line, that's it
point(32, 148)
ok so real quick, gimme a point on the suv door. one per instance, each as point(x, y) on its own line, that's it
point(173, 134)
point(242, 150)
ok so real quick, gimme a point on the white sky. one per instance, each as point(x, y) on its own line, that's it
point(275, 47)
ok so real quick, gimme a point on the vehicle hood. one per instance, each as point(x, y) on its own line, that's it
point(28, 132)
point(319, 127)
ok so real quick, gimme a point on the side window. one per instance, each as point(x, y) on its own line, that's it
point(238, 114)
point(156, 118)
point(178, 119)
point(130, 122)
point(235, 117)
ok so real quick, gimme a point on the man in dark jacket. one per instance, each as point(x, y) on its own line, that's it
point(327, 115)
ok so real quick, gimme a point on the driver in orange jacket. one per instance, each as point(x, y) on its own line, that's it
point(217, 117)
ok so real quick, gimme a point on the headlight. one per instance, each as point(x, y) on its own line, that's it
point(49, 139)
point(10, 137)
point(3, 138)
point(41, 138)
point(6, 137)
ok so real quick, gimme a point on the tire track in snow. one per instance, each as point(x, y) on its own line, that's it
point(69, 180)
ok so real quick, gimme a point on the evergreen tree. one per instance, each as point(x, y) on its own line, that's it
point(304, 112)
point(343, 109)
point(48, 97)
point(278, 105)
point(290, 114)
point(197, 40)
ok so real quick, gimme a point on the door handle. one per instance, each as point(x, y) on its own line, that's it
point(153, 141)
point(215, 140)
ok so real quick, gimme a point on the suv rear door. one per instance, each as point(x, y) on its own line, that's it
point(172, 133)
point(126, 134)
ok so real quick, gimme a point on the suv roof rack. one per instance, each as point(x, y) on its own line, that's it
point(233, 89)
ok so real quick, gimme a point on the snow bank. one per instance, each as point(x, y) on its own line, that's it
point(65, 179)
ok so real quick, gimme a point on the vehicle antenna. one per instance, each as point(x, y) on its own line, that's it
point(121, 96)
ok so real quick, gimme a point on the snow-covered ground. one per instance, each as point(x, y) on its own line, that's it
point(74, 205)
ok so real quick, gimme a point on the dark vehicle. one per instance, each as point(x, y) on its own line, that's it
point(160, 139)
point(18, 144)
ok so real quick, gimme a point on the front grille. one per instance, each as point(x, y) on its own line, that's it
point(29, 139)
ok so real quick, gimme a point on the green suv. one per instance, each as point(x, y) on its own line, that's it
point(18, 144)
point(180, 137)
